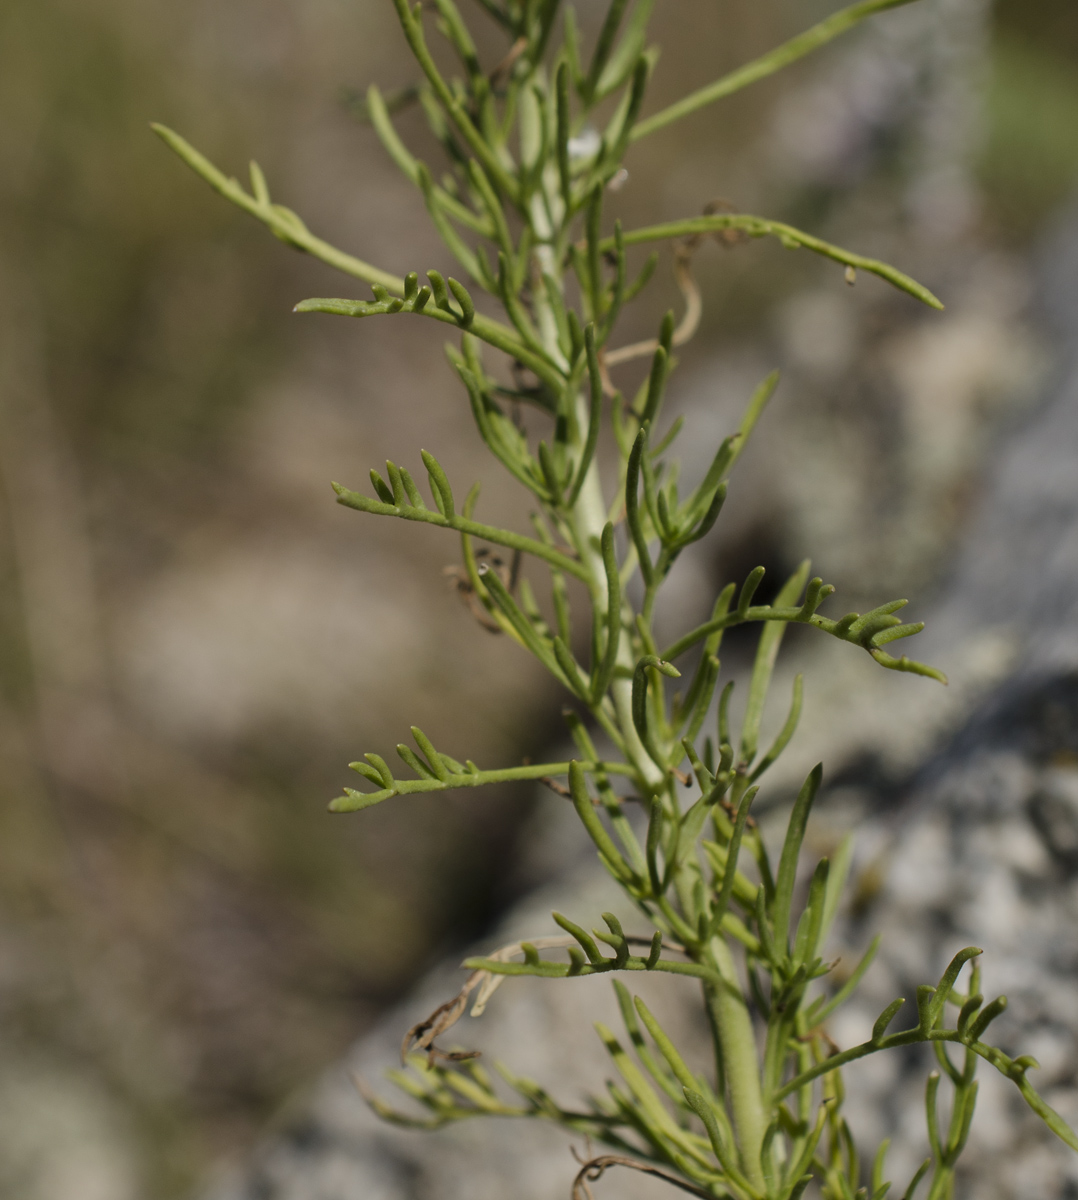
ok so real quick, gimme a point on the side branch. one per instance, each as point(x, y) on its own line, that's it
point(767, 64)
point(488, 533)
point(411, 24)
point(494, 333)
point(458, 776)
point(1012, 1069)
point(546, 969)
point(281, 221)
point(788, 235)
point(870, 631)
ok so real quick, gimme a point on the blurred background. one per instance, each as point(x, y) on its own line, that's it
point(196, 639)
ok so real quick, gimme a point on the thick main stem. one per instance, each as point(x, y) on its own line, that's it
point(589, 518)
point(731, 1018)
point(588, 515)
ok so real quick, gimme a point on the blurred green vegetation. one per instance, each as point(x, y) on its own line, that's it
point(184, 927)
point(1029, 164)
point(105, 259)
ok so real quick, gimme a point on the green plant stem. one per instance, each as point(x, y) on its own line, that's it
point(740, 1059)
point(767, 64)
point(791, 237)
point(588, 514)
point(910, 1037)
point(354, 801)
point(501, 336)
point(284, 223)
point(589, 518)
point(411, 24)
point(476, 529)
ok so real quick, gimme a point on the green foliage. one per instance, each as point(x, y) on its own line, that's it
point(1029, 159)
point(530, 162)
